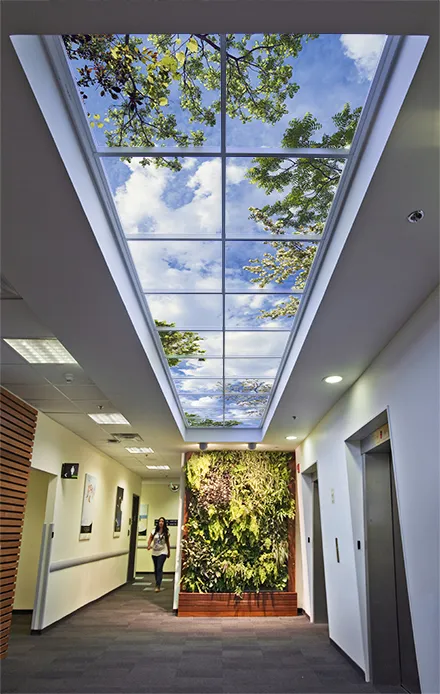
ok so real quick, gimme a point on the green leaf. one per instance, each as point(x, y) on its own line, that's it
point(193, 46)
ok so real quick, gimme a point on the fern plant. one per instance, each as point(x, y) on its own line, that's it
point(238, 512)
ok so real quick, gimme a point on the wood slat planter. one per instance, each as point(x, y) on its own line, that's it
point(17, 421)
point(265, 604)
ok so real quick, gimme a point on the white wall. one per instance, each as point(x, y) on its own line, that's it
point(404, 378)
point(161, 502)
point(31, 540)
point(74, 587)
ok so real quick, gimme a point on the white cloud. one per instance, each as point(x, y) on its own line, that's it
point(141, 205)
point(365, 50)
point(177, 265)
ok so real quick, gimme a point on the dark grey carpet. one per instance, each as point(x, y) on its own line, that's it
point(131, 642)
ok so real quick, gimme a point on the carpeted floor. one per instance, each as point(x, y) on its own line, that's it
point(131, 642)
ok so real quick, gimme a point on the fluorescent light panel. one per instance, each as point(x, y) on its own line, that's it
point(41, 351)
point(111, 418)
point(158, 467)
point(139, 450)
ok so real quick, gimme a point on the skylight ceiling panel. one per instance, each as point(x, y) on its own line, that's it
point(279, 195)
point(196, 368)
point(178, 266)
point(184, 344)
point(295, 78)
point(143, 90)
point(251, 368)
point(199, 386)
point(248, 385)
point(187, 311)
point(252, 344)
point(166, 197)
point(260, 311)
point(268, 266)
point(231, 151)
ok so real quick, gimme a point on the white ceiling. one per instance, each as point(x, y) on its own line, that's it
point(50, 256)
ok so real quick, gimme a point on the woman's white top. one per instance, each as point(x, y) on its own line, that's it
point(159, 544)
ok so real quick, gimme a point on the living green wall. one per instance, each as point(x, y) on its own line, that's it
point(236, 535)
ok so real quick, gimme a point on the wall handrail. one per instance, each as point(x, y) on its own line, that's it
point(68, 563)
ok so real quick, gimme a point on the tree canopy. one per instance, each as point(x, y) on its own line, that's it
point(178, 344)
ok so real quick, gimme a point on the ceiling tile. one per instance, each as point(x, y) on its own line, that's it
point(49, 406)
point(9, 355)
point(40, 392)
point(20, 374)
point(82, 392)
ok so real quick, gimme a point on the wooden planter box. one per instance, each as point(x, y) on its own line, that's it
point(264, 604)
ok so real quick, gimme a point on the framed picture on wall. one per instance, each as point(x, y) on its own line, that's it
point(69, 471)
point(88, 507)
point(143, 522)
point(118, 512)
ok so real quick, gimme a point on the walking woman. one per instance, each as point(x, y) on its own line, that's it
point(161, 549)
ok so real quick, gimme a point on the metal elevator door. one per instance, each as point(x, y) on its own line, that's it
point(392, 651)
point(319, 593)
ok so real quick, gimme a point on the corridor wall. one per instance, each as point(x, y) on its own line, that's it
point(161, 501)
point(404, 378)
point(73, 587)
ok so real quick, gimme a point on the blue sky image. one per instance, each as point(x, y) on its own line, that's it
point(178, 215)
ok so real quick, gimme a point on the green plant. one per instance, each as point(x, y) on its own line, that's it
point(238, 511)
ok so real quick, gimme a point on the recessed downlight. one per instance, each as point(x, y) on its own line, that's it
point(291, 438)
point(332, 379)
point(415, 216)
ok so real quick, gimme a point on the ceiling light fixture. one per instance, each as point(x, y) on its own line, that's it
point(111, 418)
point(41, 351)
point(415, 216)
point(139, 450)
point(158, 467)
point(291, 438)
point(332, 379)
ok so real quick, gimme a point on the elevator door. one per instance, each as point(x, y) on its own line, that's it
point(392, 652)
point(319, 595)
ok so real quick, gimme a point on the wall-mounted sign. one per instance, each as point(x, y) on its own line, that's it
point(69, 471)
point(169, 522)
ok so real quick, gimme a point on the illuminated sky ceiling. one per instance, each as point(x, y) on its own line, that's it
point(221, 157)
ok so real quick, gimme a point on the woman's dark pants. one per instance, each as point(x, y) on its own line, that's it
point(158, 568)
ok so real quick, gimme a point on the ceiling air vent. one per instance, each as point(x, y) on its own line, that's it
point(128, 437)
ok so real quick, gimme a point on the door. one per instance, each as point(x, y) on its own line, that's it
point(392, 651)
point(133, 537)
point(319, 595)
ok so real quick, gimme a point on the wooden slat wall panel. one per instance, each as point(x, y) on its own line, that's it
point(18, 421)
